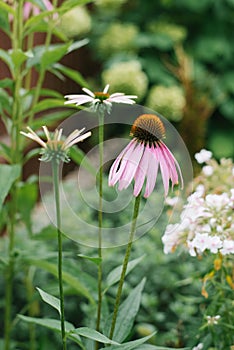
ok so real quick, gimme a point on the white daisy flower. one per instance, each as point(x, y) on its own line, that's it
point(100, 99)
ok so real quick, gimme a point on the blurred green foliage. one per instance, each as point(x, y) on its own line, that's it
point(178, 44)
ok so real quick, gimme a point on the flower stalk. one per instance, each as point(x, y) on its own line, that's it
point(55, 174)
point(125, 264)
point(100, 217)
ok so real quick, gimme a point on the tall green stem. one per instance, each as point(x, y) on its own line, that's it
point(42, 71)
point(55, 171)
point(125, 264)
point(101, 140)
point(15, 159)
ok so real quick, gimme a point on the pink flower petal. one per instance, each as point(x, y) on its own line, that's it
point(118, 166)
point(131, 168)
point(141, 173)
point(164, 169)
point(152, 171)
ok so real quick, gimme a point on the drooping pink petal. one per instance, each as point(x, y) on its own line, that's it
point(175, 167)
point(141, 172)
point(118, 166)
point(152, 171)
point(131, 168)
point(164, 169)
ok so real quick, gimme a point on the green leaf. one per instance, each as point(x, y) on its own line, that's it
point(155, 347)
point(50, 118)
point(127, 313)
point(50, 93)
point(50, 323)
point(9, 173)
point(53, 54)
point(95, 260)
point(6, 57)
point(19, 57)
point(7, 8)
point(50, 299)
point(6, 83)
point(69, 4)
point(77, 155)
point(94, 335)
point(67, 277)
point(72, 74)
point(48, 103)
point(26, 199)
point(114, 275)
point(5, 151)
point(77, 45)
point(54, 325)
point(131, 344)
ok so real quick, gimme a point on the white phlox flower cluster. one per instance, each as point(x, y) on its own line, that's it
point(206, 225)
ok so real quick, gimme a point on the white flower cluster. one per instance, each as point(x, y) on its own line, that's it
point(206, 222)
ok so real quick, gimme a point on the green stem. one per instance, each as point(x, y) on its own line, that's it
point(15, 158)
point(125, 264)
point(100, 218)
point(55, 171)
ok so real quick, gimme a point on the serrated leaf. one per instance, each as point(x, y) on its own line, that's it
point(126, 315)
point(131, 344)
point(9, 173)
point(114, 275)
point(50, 299)
point(94, 335)
point(95, 260)
point(6, 83)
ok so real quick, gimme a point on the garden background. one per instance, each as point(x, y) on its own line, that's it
point(177, 57)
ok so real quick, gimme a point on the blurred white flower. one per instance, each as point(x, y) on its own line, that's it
point(198, 347)
point(203, 156)
point(211, 320)
point(217, 201)
point(228, 247)
point(207, 170)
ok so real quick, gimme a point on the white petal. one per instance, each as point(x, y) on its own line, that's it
point(106, 88)
point(89, 92)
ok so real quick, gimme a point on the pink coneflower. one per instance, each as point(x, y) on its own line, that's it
point(142, 157)
point(32, 10)
point(96, 99)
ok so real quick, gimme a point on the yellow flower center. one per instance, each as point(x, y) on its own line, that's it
point(148, 128)
point(101, 96)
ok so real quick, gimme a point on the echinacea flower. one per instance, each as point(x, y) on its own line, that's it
point(31, 9)
point(55, 147)
point(98, 99)
point(142, 157)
